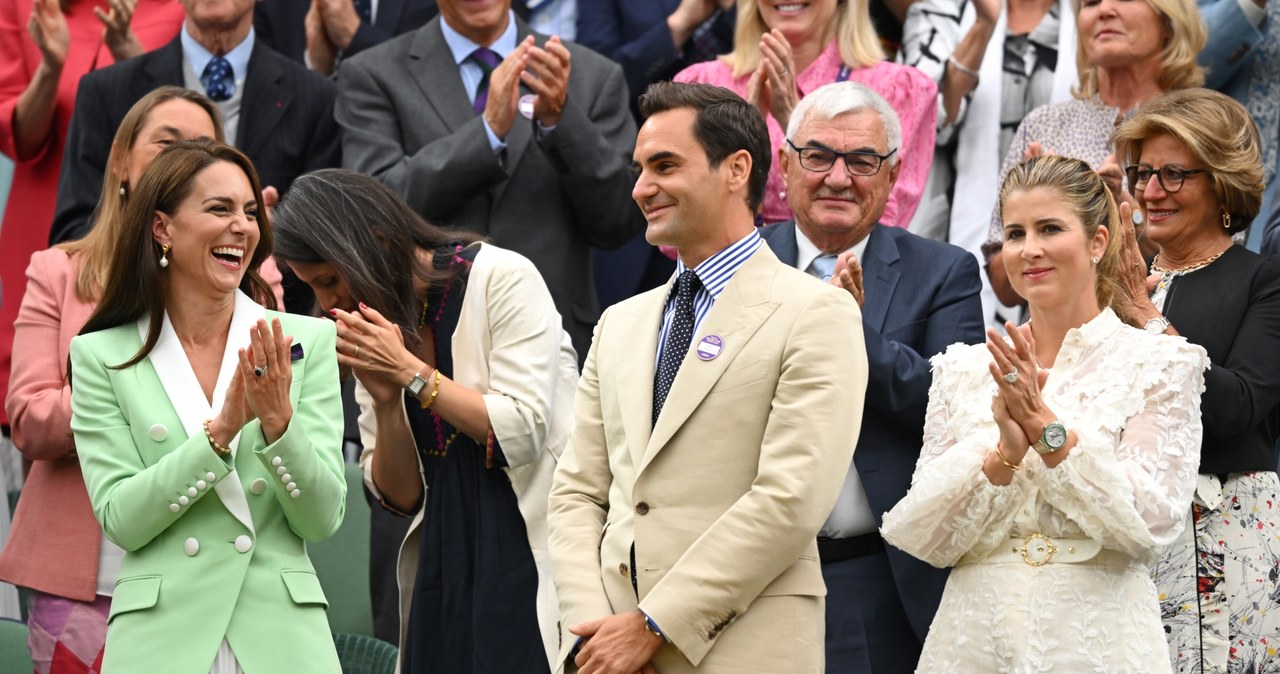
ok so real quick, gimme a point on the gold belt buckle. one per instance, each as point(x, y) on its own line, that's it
point(1037, 549)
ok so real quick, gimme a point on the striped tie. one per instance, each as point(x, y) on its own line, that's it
point(487, 59)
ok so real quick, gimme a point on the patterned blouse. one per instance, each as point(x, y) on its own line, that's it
point(909, 92)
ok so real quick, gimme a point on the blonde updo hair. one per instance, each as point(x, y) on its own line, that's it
point(852, 29)
point(1184, 38)
point(1218, 131)
point(1091, 201)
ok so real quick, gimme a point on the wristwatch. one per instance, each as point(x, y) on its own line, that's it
point(1157, 325)
point(1052, 438)
point(415, 386)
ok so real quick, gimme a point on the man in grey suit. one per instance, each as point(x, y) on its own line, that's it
point(917, 297)
point(477, 122)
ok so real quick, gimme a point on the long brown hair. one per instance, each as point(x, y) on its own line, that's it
point(370, 236)
point(135, 283)
point(97, 248)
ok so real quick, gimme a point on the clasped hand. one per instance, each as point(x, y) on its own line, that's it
point(545, 70)
point(1018, 408)
point(772, 87)
point(262, 396)
point(373, 347)
point(616, 644)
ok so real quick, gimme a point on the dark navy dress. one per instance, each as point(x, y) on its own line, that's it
point(474, 605)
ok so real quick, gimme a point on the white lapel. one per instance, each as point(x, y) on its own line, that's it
point(183, 389)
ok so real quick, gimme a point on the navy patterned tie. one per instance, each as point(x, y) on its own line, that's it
point(218, 79)
point(487, 59)
point(364, 10)
point(678, 338)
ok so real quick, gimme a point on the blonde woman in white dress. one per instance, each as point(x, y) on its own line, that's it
point(1057, 461)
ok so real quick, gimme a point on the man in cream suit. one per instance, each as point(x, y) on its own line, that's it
point(716, 418)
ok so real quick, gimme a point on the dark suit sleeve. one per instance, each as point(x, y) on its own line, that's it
point(84, 163)
point(325, 148)
point(642, 59)
point(437, 179)
point(367, 35)
point(1242, 389)
point(590, 149)
point(899, 376)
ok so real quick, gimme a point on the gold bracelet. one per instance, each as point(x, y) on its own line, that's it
point(1000, 455)
point(222, 451)
point(435, 391)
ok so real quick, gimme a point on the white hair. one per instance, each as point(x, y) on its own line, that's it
point(832, 100)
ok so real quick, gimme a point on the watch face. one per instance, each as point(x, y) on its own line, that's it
point(415, 386)
point(1055, 435)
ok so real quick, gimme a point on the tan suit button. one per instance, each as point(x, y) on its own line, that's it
point(642, 508)
point(622, 569)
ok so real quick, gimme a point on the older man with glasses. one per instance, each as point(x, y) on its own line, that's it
point(918, 296)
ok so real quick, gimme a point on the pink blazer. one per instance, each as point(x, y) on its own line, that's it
point(53, 545)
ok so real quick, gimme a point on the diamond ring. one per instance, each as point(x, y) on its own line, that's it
point(1011, 377)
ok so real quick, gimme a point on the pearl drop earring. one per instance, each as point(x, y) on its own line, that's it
point(164, 255)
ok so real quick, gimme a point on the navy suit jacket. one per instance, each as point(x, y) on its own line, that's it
point(635, 34)
point(286, 125)
point(921, 296)
point(281, 24)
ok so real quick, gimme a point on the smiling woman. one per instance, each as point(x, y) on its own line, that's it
point(1108, 410)
point(183, 387)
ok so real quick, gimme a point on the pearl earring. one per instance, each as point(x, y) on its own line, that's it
point(124, 190)
point(164, 255)
point(1095, 259)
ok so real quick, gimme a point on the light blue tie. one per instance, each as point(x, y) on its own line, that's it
point(823, 266)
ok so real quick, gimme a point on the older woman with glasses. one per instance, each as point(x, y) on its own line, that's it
point(1193, 162)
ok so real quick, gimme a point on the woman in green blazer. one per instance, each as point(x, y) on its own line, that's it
point(209, 438)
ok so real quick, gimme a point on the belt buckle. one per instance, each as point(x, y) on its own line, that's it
point(1037, 549)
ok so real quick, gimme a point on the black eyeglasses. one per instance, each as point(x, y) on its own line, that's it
point(858, 162)
point(1170, 177)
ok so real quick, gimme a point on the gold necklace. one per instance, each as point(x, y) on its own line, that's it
point(1167, 275)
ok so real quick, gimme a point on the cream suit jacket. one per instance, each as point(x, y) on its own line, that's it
point(724, 496)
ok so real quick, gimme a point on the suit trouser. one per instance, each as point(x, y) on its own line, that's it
point(867, 629)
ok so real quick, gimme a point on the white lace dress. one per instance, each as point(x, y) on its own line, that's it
point(1133, 400)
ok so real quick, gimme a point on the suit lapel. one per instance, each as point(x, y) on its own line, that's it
point(879, 279)
point(434, 71)
point(163, 66)
point(740, 310)
point(180, 384)
point(264, 101)
point(633, 372)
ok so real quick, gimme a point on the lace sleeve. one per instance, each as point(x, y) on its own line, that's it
point(1129, 481)
point(952, 508)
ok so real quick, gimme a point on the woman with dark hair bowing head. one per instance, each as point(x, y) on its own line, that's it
point(57, 550)
point(210, 440)
point(1058, 462)
point(466, 384)
point(1193, 162)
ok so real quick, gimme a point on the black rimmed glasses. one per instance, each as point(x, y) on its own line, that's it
point(1170, 177)
point(858, 162)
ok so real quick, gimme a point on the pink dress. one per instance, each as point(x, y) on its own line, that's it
point(909, 92)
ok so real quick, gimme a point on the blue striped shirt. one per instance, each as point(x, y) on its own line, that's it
point(715, 273)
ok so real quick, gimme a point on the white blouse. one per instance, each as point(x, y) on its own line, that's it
point(1133, 400)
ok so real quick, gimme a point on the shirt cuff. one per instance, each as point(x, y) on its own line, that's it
point(495, 143)
point(653, 626)
point(544, 130)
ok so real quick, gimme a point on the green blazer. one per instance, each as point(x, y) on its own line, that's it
point(213, 547)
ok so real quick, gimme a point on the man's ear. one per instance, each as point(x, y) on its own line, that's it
point(893, 174)
point(739, 167)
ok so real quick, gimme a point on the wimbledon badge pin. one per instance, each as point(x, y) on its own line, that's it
point(710, 347)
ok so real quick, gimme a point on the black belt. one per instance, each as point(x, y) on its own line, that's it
point(839, 549)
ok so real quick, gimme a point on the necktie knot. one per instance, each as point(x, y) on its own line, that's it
point(687, 286)
point(824, 266)
point(218, 79)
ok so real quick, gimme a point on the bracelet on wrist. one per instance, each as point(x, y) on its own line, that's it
point(1015, 467)
point(222, 451)
point(963, 68)
point(435, 391)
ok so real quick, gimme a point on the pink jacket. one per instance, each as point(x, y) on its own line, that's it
point(909, 92)
point(53, 545)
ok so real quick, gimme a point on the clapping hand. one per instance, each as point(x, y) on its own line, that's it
point(373, 347)
point(267, 373)
point(547, 74)
point(48, 28)
point(772, 87)
point(504, 89)
point(1019, 410)
point(116, 33)
point(848, 275)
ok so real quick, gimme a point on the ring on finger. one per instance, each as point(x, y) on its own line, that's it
point(1011, 377)
point(356, 353)
point(259, 370)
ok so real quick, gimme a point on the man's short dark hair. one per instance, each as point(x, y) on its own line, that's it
point(724, 123)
